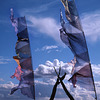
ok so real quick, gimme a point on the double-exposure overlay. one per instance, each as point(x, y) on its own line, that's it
point(24, 71)
point(50, 78)
point(73, 36)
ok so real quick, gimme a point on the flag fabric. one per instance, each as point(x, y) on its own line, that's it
point(18, 71)
point(24, 71)
point(73, 36)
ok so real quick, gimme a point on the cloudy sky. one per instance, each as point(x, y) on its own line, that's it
point(47, 49)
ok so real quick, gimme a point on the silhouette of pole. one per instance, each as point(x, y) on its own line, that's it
point(64, 87)
point(54, 89)
point(66, 91)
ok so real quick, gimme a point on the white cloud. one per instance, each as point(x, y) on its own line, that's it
point(79, 93)
point(5, 92)
point(96, 69)
point(8, 85)
point(47, 98)
point(47, 70)
point(91, 25)
point(45, 85)
point(43, 91)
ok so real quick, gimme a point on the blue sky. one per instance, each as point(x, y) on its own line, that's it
point(43, 21)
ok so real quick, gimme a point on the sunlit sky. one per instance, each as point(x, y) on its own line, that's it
point(43, 22)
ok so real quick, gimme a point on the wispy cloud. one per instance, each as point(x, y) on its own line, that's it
point(49, 48)
point(91, 25)
point(4, 21)
point(38, 9)
point(1, 79)
point(48, 26)
point(4, 60)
